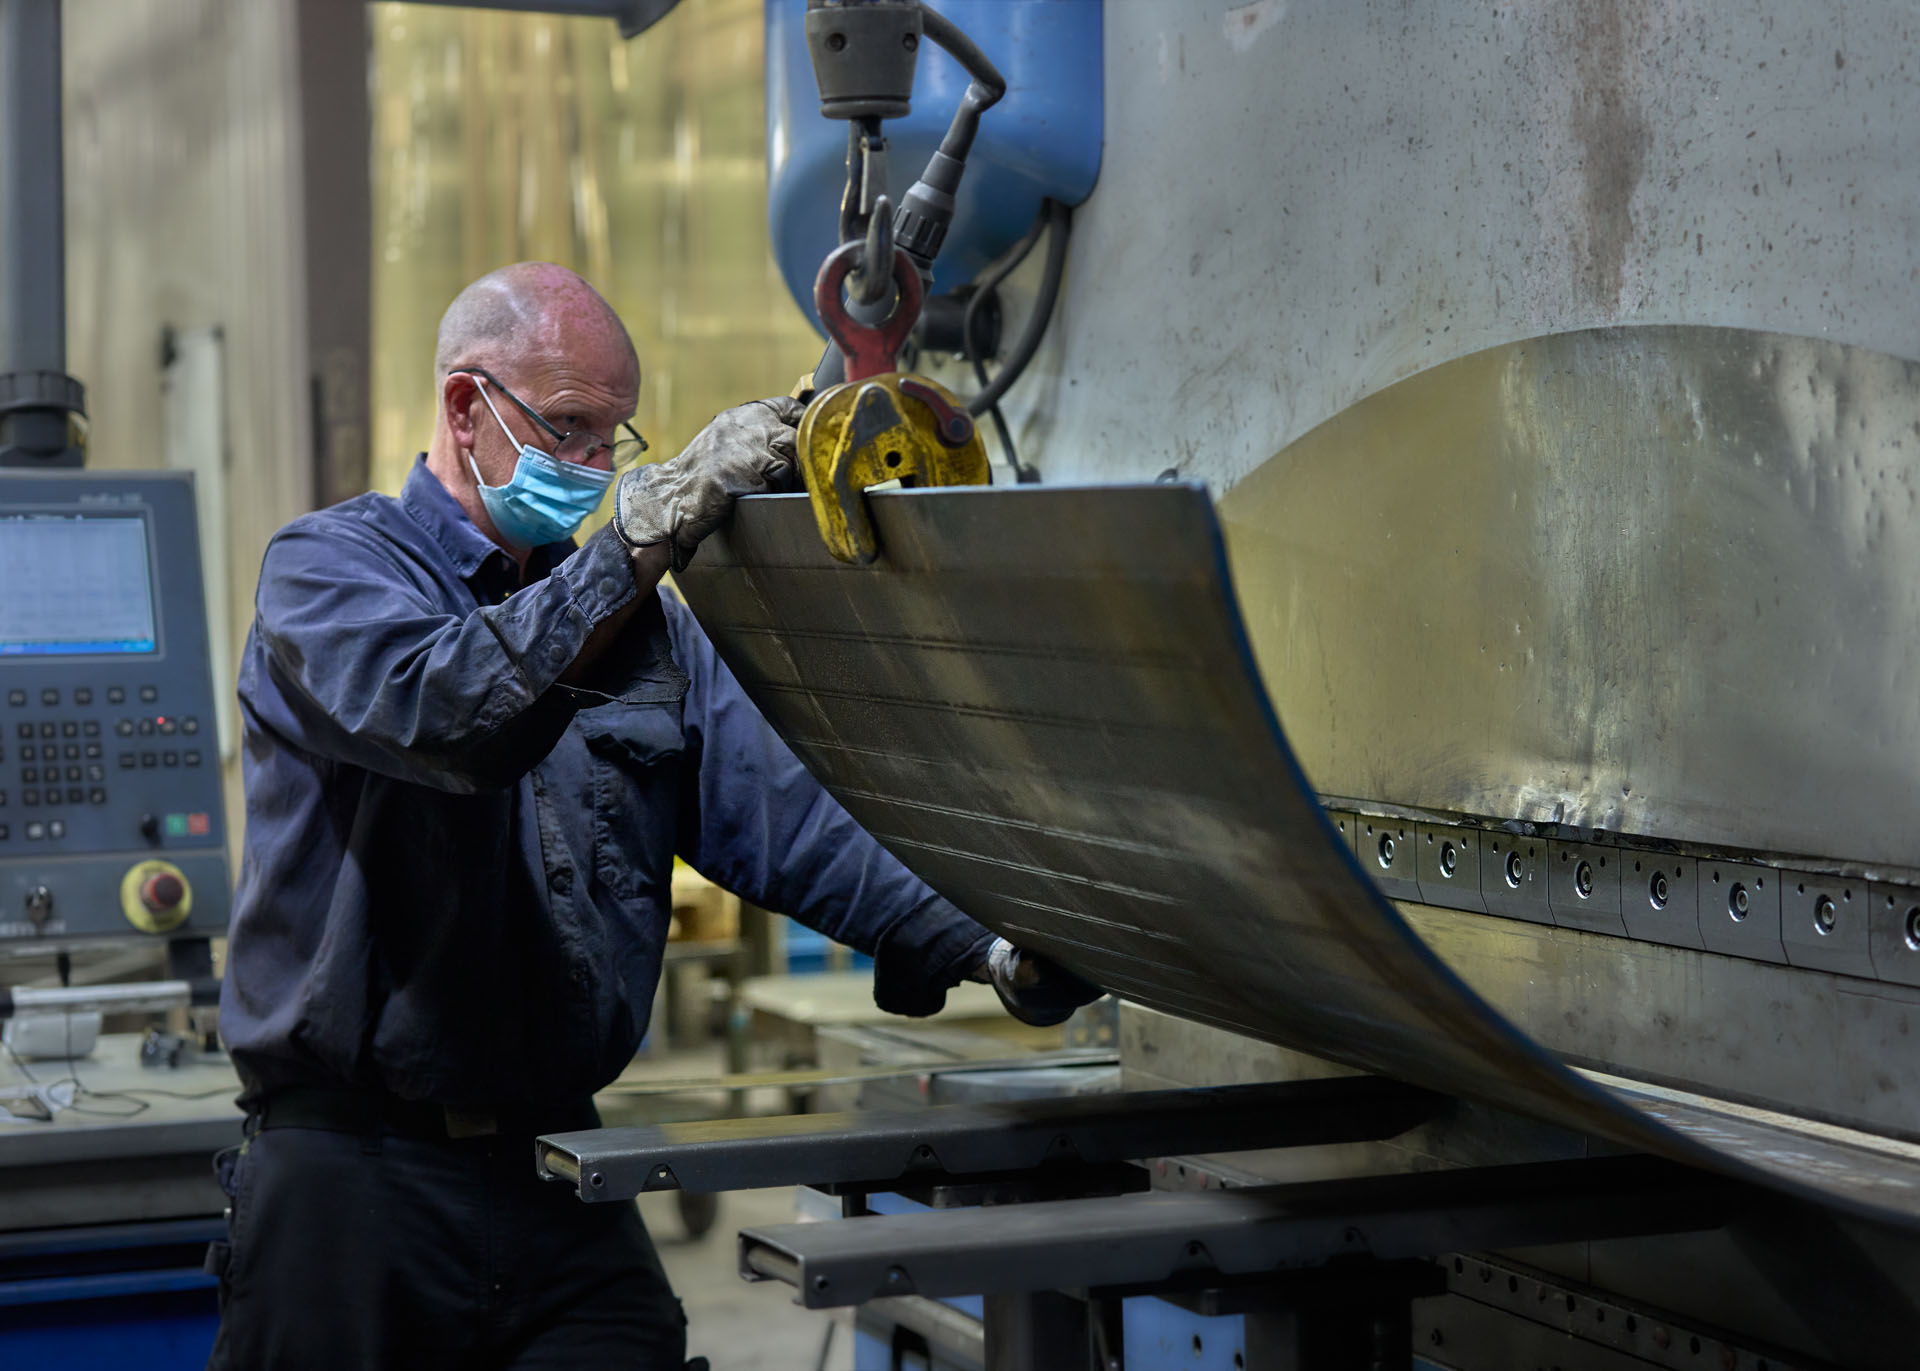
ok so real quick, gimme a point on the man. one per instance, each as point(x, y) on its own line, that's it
point(472, 752)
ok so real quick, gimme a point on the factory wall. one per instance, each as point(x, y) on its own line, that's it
point(500, 137)
point(185, 212)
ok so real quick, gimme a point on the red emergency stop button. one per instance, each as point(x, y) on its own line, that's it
point(162, 892)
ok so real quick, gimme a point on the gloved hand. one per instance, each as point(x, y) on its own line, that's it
point(1036, 990)
point(747, 450)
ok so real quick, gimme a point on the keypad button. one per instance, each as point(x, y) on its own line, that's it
point(36, 830)
point(149, 759)
point(29, 796)
point(73, 773)
point(127, 761)
point(50, 795)
point(82, 696)
point(146, 728)
point(47, 729)
point(29, 753)
point(72, 751)
point(96, 772)
point(193, 759)
point(91, 728)
point(123, 728)
point(16, 698)
point(70, 729)
point(167, 726)
point(75, 795)
point(116, 695)
point(30, 774)
point(56, 828)
point(49, 697)
point(96, 796)
point(148, 694)
point(170, 758)
point(4, 835)
point(189, 725)
point(93, 750)
point(25, 730)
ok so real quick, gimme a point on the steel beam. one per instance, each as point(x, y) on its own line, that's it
point(1202, 1239)
point(989, 1138)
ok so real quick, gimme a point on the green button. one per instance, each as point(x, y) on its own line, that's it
point(176, 825)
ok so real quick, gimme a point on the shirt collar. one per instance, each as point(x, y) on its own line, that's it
point(432, 506)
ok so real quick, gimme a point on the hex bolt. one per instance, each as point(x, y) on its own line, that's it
point(910, 41)
point(1449, 859)
point(820, 1282)
point(836, 42)
point(1583, 880)
point(1824, 915)
point(596, 1180)
point(1657, 890)
point(1738, 902)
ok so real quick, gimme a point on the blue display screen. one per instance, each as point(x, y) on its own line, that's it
point(74, 585)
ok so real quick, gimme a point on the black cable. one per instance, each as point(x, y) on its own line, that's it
point(983, 288)
point(1021, 475)
point(1059, 223)
point(989, 281)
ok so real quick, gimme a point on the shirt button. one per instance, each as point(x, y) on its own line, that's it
point(609, 588)
point(561, 880)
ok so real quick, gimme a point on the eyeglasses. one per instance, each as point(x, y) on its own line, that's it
point(579, 446)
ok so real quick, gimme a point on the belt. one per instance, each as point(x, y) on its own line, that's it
point(370, 1115)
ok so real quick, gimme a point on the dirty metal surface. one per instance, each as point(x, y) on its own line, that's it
point(884, 1146)
point(1043, 701)
point(1659, 581)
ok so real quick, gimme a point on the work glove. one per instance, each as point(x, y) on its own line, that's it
point(1036, 990)
point(748, 450)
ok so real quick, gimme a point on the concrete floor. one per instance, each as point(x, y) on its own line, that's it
point(739, 1326)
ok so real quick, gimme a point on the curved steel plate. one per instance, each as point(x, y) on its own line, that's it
point(1043, 701)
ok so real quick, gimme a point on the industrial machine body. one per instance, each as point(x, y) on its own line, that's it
point(1551, 369)
point(111, 816)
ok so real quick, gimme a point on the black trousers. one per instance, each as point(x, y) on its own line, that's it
point(381, 1251)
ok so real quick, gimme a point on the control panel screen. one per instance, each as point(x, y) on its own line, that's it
point(74, 585)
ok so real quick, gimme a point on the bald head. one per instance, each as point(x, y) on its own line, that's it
point(529, 311)
point(556, 348)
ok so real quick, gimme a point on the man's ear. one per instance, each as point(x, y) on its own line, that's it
point(459, 401)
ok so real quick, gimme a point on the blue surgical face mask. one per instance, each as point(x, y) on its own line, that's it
point(546, 499)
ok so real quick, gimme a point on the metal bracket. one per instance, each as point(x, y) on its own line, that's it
point(927, 1145)
point(1204, 1239)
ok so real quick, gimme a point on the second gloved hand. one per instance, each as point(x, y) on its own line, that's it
point(747, 450)
point(1035, 989)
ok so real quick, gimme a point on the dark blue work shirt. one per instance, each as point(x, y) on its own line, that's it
point(456, 878)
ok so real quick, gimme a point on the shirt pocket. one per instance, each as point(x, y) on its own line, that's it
point(635, 752)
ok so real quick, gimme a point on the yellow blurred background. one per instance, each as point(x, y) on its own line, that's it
point(641, 164)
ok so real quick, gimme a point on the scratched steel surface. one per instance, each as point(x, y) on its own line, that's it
point(1070, 740)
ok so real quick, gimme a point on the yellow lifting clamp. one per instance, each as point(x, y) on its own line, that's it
point(880, 425)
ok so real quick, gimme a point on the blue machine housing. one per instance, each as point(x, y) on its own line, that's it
point(1042, 139)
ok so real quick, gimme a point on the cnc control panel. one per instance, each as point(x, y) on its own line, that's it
point(111, 816)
